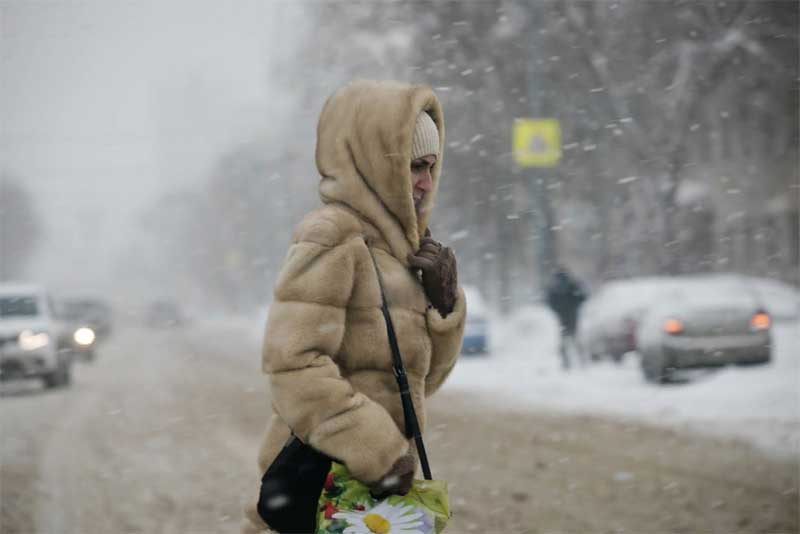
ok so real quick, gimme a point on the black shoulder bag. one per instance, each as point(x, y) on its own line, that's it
point(292, 485)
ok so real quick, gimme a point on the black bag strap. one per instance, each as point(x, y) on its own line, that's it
point(409, 414)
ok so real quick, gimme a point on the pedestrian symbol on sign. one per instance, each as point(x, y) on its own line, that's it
point(537, 144)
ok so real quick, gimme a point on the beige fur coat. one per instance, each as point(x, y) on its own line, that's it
point(326, 350)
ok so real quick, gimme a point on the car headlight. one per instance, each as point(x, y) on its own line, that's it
point(84, 336)
point(29, 340)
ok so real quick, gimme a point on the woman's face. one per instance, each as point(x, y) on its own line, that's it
point(421, 178)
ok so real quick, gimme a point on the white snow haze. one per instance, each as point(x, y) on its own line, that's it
point(105, 105)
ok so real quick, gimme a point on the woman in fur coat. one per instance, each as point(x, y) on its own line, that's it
point(326, 352)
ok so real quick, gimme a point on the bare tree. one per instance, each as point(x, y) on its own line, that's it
point(659, 82)
point(20, 228)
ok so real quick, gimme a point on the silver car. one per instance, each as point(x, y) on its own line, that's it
point(29, 337)
point(701, 324)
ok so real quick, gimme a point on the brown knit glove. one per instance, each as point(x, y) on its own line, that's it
point(439, 272)
point(398, 480)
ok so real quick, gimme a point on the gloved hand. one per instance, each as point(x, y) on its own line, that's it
point(398, 480)
point(439, 272)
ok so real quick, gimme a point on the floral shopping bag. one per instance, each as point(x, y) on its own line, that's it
point(346, 507)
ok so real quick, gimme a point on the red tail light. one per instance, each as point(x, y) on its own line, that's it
point(760, 321)
point(673, 326)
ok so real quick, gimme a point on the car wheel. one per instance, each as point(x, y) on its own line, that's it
point(61, 377)
point(654, 369)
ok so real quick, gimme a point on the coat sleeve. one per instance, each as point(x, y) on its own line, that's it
point(304, 332)
point(446, 335)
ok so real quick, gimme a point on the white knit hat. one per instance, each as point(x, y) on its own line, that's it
point(426, 137)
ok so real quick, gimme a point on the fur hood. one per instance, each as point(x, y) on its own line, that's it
point(364, 155)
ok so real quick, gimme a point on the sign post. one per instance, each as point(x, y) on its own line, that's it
point(536, 144)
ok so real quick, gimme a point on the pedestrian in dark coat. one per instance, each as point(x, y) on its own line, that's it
point(565, 294)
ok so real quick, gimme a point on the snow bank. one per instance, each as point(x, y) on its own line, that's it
point(781, 300)
point(757, 404)
point(476, 306)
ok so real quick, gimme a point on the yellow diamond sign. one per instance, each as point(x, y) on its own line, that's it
point(537, 142)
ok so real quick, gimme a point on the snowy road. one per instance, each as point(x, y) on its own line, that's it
point(160, 434)
point(147, 439)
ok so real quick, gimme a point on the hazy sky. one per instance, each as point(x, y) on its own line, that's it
point(105, 104)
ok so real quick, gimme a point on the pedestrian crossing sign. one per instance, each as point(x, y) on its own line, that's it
point(537, 142)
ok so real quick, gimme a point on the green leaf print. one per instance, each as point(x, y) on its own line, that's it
point(347, 495)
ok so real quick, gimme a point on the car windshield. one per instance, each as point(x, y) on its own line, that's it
point(14, 306)
point(78, 310)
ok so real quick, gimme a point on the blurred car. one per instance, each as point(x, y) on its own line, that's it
point(704, 323)
point(85, 324)
point(476, 327)
point(29, 337)
point(90, 312)
point(164, 314)
point(609, 319)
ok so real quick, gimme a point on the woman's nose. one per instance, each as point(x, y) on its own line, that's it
point(425, 182)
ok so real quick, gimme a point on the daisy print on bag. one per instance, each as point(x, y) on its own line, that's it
point(386, 518)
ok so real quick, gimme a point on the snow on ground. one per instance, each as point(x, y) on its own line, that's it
point(523, 372)
point(757, 404)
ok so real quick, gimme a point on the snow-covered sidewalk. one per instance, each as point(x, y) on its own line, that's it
point(758, 404)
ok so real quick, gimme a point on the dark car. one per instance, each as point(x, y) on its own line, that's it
point(86, 323)
point(93, 313)
point(609, 320)
point(164, 314)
